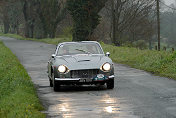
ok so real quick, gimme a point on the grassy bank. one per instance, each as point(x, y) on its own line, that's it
point(161, 63)
point(45, 40)
point(18, 98)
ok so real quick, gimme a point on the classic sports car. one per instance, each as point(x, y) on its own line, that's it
point(77, 63)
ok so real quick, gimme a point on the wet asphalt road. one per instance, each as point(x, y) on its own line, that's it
point(137, 94)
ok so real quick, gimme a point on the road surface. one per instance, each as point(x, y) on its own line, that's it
point(137, 94)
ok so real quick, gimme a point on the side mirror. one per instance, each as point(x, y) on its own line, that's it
point(108, 54)
point(53, 55)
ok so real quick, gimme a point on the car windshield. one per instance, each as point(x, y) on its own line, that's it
point(79, 48)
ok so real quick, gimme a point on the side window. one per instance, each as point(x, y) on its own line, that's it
point(62, 50)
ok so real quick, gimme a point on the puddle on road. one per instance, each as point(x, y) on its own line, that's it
point(90, 106)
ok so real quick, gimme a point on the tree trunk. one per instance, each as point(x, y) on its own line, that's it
point(32, 30)
point(52, 35)
point(29, 25)
point(6, 27)
point(53, 31)
point(26, 30)
point(17, 30)
point(6, 23)
point(117, 39)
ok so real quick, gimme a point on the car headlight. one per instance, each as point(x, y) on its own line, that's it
point(62, 69)
point(106, 67)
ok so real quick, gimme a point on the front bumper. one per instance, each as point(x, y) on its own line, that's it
point(95, 79)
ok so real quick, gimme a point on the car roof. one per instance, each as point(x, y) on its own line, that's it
point(79, 42)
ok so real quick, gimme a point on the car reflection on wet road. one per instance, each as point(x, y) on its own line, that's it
point(81, 104)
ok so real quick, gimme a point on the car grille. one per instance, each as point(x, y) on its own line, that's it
point(84, 73)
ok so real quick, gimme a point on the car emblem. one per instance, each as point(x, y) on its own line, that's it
point(100, 76)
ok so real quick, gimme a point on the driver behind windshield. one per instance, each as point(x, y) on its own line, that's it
point(65, 50)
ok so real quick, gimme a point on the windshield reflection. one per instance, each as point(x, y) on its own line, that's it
point(79, 48)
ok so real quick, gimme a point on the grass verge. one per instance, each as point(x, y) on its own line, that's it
point(45, 40)
point(160, 63)
point(18, 98)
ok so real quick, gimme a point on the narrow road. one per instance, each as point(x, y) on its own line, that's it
point(137, 94)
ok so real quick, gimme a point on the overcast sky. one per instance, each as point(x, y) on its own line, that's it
point(168, 2)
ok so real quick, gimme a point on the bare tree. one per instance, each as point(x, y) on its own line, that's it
point(128, 14)
point(4, 16)
point(51, 12)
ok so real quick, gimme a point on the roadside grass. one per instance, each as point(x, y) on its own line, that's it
point(158, 62)
point(13, 36)
point(18, 98)
point(45, 40)
point(161, 63)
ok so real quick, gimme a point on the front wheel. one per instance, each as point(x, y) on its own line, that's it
point(55, 84)
point(51, 83)
point(110, 84)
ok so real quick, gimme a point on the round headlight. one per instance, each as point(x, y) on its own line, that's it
point(62, 69)
point(106, 67)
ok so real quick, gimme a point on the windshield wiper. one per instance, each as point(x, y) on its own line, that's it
point(87, 52)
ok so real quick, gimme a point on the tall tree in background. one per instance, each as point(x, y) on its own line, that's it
point(4, 15)
point(5, 19)
point(128, 14)
point(85, 17)
point(10, 13)
point(42, 17)
point(30, 14)
point(51, 12)
point(15, 16)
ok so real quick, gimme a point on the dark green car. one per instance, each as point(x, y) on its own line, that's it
point(79, 63)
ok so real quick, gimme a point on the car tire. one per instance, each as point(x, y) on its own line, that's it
point(110, 84)
point(51, 83)
point(55, 84)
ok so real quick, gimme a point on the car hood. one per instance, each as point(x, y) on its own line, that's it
point(77, 62)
